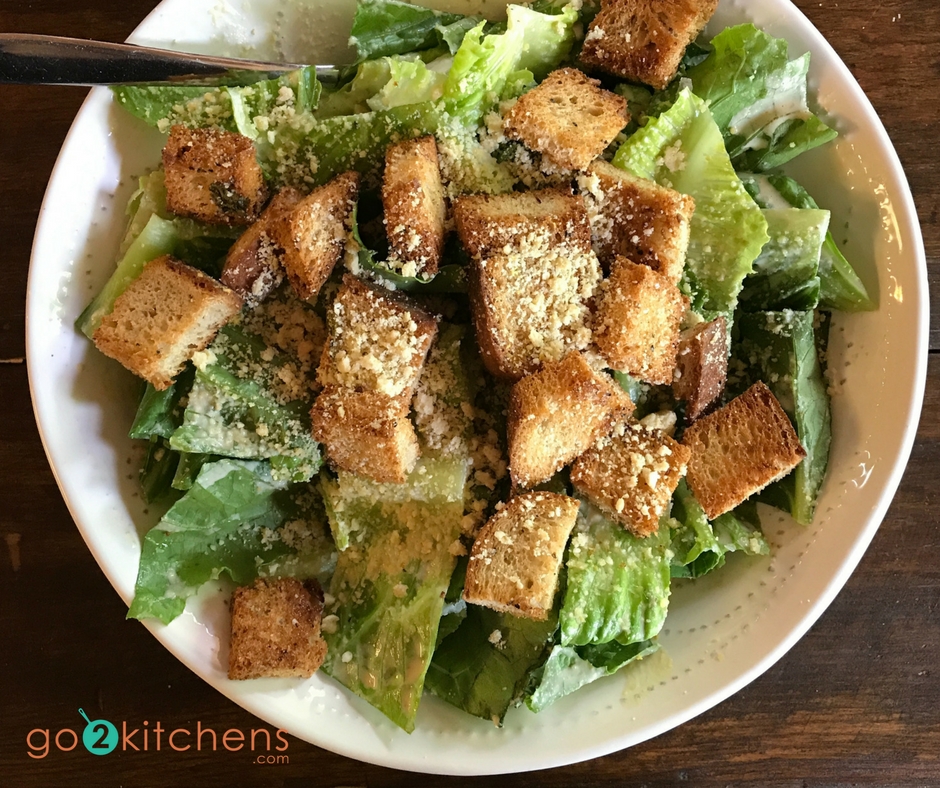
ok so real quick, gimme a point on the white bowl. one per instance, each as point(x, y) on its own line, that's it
point(721, 633)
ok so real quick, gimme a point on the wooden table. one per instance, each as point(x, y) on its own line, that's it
point(856, 701)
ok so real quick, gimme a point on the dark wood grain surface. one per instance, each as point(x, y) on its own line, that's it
point(855, 702)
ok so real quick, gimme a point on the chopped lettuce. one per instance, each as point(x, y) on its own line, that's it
point(786, 271)
point(683, 149)
point(160, 413)
point(568, 669)
point(757, 97)
point(244, 404)
point(839, 286)
point(158, 470)
point(389, 590)
point(780, 349)
point(483, 668)
point(699, 546)
point(618, 583)
point(389, 27)
point(231, 522)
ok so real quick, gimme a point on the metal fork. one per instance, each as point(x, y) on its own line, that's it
point(54, 60)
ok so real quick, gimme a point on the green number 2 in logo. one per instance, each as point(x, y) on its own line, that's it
point(99, 737)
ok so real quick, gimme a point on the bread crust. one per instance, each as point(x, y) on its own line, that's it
point(701, 367)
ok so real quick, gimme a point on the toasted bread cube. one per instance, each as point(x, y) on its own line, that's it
point(366, 432)
point(637, 219)
point(516, 557)
point(636, 327)
point(532, 306)
point(631, 474)
point(378, 340)
point(644, 40)
point(558, 413)
point(276, 629)
point(213, 176)
point(163, 317)
point(313, 235)
point(701, 367)
point(567, 118)
point(491, 224)
point(253, 264)
point(414, 207)
point(740, 449)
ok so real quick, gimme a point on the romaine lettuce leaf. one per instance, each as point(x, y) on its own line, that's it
point(683, 149)
point(158, 470)
point(244, 403)
point(389, 588)
point(389, 27)
point(699, 546)
point(568, 669)
point(786, 271)
point(840, 286)
point(757, 97)
point(484, 64)
point(483, 667)
point(231, 522)
point(780, 349)
point(618, 584)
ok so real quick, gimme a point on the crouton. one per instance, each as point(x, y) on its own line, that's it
point(276, 629)
point(313, 235)
point(637, 219)
point(558, 413)
point(567, 118)
point(414, 206)
point(366, 432)
point(644, 40)
point(253, 264)
point(740, 449)
point(163, 317)
point(491, 224)
point(516, 557)
point(636, 327)
point(701, 367)
point(533, 305)
point(378, 340)
point(631, 475)
point(213, 176)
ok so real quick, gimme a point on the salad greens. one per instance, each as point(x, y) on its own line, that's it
point(229, 443)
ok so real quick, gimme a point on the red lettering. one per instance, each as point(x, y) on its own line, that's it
point(145, 734)
point(74, 740)
point(173, 746)
point(236, 735)
point(282, 740)
point(199, 731)
point(44, 748)
point(126, 738)
point(158, 729)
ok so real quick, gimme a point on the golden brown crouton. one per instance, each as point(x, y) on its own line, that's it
point(740, 449)
point(491, 224)
point(533, 305)
point(378, 340)
point(644, 40)
point(567, 118)
point(276, 629)
point(631, 474)
point(414, 206)
point(366, 432)
point(253, 264)
point(636, 327)
point(213, 176)
point(556, 414)
point(163, 317)
point(637, 219)
point(313, 235)
point(701, 367)
point(517, 555)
